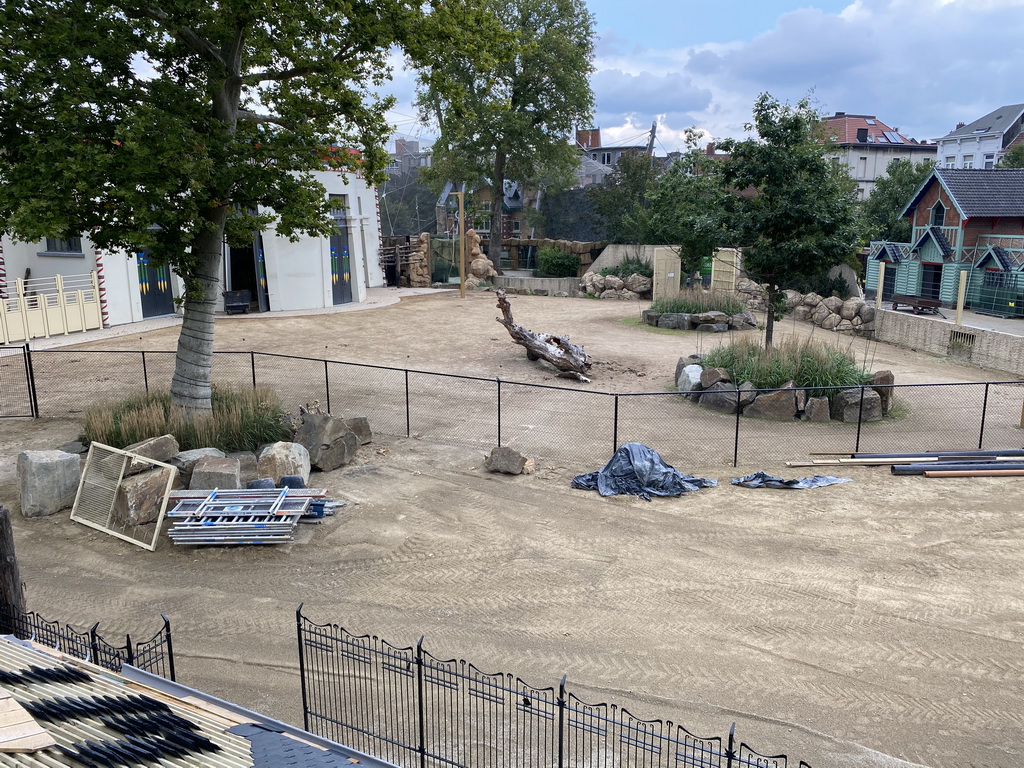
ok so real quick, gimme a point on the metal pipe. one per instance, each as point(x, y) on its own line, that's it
point(929, 454)
point(977, 473)
point(920, 469)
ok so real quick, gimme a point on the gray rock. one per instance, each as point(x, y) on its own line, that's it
point(74, 447)
point(711, 376)
point(802, 313)
point(720, 397)
point(140, 497)
point(627, 295)
point(711, 317)
point(747, 394)
point(330, 442)
point(800, 395)
point(831, 322)
point(713, 327)
point(561, 294)
point(819, 314)
point(833, 303)
point(612, 283)
point(650, 317)
point(361, 426)
point(678, 320)
point(882, 382)
point(638, 283)
point(48, 481)
point(186, 460)
point(248, 467)
point(292, 481)
point(817, 409)
point(850, 308)
point(163, 448)
point(845, 325)
point(793, 298)
point(263, 483)
point(541, 292)
point(282, 458)
point(505, 460)
point(866, 313)
point(846, 405)
point(779, 406)
point(214, 472)
point(609, 293)
point(812, 300)
point(688, 378)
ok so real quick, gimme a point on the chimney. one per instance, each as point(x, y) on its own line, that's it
point(862, 135)
point(959, 126)
point(709, 150)
point(400, 147)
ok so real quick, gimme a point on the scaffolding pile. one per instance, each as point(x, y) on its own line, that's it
point(223, 518)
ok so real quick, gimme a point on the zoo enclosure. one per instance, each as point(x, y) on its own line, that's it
point(561, 423)
point(408, 707)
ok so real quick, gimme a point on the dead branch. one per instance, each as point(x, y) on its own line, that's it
point(568, 358)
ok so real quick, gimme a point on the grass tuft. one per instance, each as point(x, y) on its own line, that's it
point(693, 301)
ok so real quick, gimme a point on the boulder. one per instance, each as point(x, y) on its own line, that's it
point(279, 459)
point(688, 378)
point(74, 447)
point(866, 313)
point(186, 461)
point(330, 441)
point(248, 467)
point(628, 295)
point(638, 283)
point(846, 405)
point(819, 314)
point(834, 303)
point(747, 394)
point(163, 448)
point(844, 325)
point(677, 320)
point(609, 293)
point(711, 376)
point(803, 313)
point(713, 327)
point(292, 481)
point(850, 308)
point(800, 396)
point(140, 497)
point(482, 269)
point(261, 484)
point(817, 409)
point(650, 317)
point(598, 284)
point(720, 397)
point(831, 322)
point(793, 298)
point(361, 426)
point(48, 481)
point(541, 292)
point(882, 383)
point(612, 282)
point(507, 461)
point(812, 300)
point(215, 472)
point(779, 406)
point(710, 317)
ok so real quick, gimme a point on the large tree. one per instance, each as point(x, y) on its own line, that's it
point(882, 209)
point(803, 217)
point(514, 119)
point(172, 126)
point(1014, 157)
point(620, 201)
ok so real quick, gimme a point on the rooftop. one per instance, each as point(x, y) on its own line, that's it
point(998, 121)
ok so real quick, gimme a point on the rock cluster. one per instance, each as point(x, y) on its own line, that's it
point(631, 288)
point(831, 313)
point(706, 322)
point(419, 264)
point(480, 268)
point(713, 389)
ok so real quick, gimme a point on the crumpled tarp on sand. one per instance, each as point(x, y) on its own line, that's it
point(638, 470)
point(764, 480)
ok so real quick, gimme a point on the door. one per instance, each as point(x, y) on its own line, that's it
point(247, 272)
point(154, 286)
point(341, 254)
point(889, 281)
point(931, 281)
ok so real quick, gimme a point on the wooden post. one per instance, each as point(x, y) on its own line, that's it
point(962, 292)
point(12, 596)
point(881, 283)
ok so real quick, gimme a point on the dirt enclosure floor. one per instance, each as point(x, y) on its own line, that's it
point(863, 624)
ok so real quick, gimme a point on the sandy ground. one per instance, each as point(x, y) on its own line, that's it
point(862, 624)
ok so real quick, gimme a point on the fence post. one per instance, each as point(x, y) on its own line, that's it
point(327, 386)
point(408, 412)
point(302, 669)
point(420, 703)
point(145, 372)
point(252, 364)
point(94, 644)
point(128, 649)
point(730, 752)
point(30, 376)
point(561, 723)
point(499, 410)
point(170, 646)
point(860, 419)
point(736, 438)
point(615, 427)
point(984, 410)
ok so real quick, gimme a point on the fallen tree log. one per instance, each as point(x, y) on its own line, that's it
point(570, 359)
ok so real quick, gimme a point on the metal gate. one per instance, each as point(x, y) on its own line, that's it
point(17, 390)
point(1001, 294)
point(154, 286)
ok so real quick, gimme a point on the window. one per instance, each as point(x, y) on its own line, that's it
point(58, 245)
point(606, 158)
point(938, 215)
point(990, 161)
point(968, 161)
point(862, 167)
point(950, 162)
point(516, 227)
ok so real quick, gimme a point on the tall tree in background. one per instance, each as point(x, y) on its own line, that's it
point(803, 218)
point(514, 120)
point(1014, 157)
point(621, 199)
point(881, 210)
point(406, 206)
point(166, 125)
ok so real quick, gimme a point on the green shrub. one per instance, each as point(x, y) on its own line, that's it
point(241, 420)
point(806, 363)
point(694, 301)
point(554, 262)
point(629, 267)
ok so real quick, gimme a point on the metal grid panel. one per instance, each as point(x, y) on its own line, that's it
point(678, 429)
point(15, 396)
point(101, 502)
point(296, 380)
point(558, 423)
point(379, 394)
point(69, 381)
point(453, 409)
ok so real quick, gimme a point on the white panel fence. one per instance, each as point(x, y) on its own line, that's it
point(49, 306)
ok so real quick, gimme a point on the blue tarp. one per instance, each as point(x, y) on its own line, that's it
point(764, 480)
point(638, 470)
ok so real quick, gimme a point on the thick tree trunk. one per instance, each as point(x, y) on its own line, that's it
point(769, 321)
point(497, 200)
point(567, 357)
point(12, 595)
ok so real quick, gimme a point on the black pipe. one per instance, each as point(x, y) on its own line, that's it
point(923, 454)
point(931, 466)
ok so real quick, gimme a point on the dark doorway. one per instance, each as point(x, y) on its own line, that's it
point(341, 253)
point(154, 286)
point(931, 280)
point(247, 271)
point(889, 281)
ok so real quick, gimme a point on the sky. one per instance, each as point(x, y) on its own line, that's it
point(919, 65)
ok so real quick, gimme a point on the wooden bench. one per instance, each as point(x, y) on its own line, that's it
point(917, 303)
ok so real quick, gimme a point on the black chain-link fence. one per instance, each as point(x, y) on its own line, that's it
point(579, 427)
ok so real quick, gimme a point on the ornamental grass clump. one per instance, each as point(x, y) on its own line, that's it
point(694, 301)
point(807, 363)
point(241, 420)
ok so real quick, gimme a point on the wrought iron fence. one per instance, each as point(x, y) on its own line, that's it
point(154, 655)
point(408, 707)
point(579, 426)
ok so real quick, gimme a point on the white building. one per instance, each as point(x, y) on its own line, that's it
point(983, 143)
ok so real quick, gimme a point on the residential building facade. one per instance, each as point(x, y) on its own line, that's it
point(982, 143)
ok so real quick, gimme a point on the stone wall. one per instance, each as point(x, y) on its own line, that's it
point(831, 313)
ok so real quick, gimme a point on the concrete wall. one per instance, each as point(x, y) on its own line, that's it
point(553, 285)
point(990, 349)
point(616, 253)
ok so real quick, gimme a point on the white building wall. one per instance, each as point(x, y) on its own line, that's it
point(953, 151)
point(867, 163)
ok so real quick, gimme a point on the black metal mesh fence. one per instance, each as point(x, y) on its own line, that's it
point(377, 393)
point(67, 382)
point(15, 397)
point(558, 423)
point(453, 409)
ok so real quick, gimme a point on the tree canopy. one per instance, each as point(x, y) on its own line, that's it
point(172, 126)
point(514, 118)
point(620, 201)
point(802, 218)
point(406, 206)
point(1014, 157)
point(881, 210)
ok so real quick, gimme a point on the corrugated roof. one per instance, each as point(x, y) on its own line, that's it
point(99, 718)
point(995, 122)
point(980, 192)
